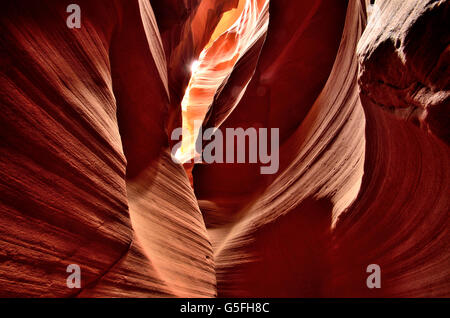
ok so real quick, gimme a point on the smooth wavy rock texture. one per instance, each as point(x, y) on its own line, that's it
point(215, 64)
point(404, 63)
point(358, 89)
point(70, 127)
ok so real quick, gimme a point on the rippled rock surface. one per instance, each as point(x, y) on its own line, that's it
point(359, 91)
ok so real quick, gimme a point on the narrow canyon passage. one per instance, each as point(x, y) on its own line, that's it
point(233, 36)
point(356, 93)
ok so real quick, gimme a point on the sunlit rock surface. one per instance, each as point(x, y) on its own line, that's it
point(281, 223)
point(404, 57)
point(73, 104)
point(359, 90)
point(215, 64)
point(356, 186)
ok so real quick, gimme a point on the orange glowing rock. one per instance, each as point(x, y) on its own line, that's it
point(87, 178)
point(243, 27)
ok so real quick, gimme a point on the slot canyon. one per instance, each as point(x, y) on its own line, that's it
point(358, 90)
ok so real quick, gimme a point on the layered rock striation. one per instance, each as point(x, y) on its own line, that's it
point(358, 90)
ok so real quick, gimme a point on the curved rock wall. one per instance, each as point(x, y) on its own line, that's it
point(86, 175)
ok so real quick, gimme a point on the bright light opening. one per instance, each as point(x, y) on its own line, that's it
point(195, 66)
point(236, 32)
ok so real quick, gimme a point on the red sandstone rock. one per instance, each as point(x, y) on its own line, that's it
point(404, 63)
point(86, 175)
point(300, 230)
point(73, 104)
